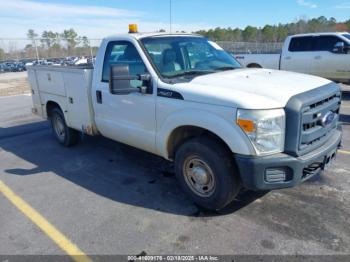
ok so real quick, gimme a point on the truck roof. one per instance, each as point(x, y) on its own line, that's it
point(323, 33)
point(144, 35)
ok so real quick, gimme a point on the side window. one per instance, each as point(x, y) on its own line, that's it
point(301, 44)
point(326, 43)
point(123, 52)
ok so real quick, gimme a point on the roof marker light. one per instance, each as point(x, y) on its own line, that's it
point(133, 28)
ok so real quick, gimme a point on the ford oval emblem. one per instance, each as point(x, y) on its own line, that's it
point(328, 118)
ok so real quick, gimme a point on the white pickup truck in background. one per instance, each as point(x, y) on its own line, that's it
point(321, 54)
point(182, 97)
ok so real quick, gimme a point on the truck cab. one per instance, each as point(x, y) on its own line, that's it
point(182, 97)
point(323, 54)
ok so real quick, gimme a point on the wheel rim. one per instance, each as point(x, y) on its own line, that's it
point(59, 127)
point(199, 176)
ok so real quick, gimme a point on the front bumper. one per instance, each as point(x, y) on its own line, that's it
point(253, 169)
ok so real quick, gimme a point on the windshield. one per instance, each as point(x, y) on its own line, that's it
point(187, 56)
point(347, 36)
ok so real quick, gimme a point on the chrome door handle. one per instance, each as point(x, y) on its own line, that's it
point(318, 57)
point(288, 58)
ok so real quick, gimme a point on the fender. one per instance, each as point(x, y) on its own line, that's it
point(230, 133)
point(60, 100)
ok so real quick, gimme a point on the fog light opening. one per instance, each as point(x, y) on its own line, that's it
point(275, 175)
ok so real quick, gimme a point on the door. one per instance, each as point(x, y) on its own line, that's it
point(327, 63)
point(127, 118)
point(298, 56)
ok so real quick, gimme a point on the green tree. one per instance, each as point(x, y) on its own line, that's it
point(32, 35)
point(48, 38)
point(71, 38)
point(250, 34)
point(236, 35)
point(268, 33)
point(85, 42)
point(281, 32)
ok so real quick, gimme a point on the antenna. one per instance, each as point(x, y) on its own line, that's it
point(170, 15)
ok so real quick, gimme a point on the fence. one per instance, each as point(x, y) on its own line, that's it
point(251, 48)
point(44, 48)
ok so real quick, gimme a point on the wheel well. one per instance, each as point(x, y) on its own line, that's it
point(50, 105)
point(254, 65)
point(182, 134)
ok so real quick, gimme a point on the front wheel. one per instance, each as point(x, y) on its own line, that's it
point(206, 172)
point(64, 134)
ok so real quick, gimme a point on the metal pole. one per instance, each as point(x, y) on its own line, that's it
point(36, 50)
point(91, 54)
point(170, 17)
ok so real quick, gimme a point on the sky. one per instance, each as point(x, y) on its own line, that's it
point(99, 18)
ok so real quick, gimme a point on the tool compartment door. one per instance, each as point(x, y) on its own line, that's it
point(37, 103)
point(78, 87)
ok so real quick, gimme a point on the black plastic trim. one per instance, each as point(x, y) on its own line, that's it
point(169, 94)
point(252, 169)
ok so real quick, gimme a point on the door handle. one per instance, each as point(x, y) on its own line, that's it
point(99, 97)
point(288, 58)
point(318, 57)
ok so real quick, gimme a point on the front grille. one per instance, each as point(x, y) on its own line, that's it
point(305, 114)
point(312, 130)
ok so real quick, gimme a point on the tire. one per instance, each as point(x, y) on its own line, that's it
point(65, 135)
point(254, 66)
point(206, 172)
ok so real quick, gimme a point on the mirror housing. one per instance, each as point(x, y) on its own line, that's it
point(119, 80)
point(339, 48)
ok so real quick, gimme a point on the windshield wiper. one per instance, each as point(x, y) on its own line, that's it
point(192, 72)
point(225, 68)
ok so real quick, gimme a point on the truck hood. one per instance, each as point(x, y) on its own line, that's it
point(248, 88)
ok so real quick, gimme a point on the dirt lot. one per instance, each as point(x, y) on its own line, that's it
point(14, 84)
point(108, 198)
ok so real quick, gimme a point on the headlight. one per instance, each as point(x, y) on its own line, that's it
point(265, 129)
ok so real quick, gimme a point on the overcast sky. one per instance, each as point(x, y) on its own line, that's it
point(97, 19)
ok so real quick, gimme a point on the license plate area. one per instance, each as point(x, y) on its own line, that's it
point(329, 160)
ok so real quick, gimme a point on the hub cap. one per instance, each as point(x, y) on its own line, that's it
point(199, 176)
point(59, 127)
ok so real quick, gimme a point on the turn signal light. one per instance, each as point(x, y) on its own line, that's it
point(246, 125)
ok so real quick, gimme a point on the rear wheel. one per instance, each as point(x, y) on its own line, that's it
point(206, 172)
point(64, 134)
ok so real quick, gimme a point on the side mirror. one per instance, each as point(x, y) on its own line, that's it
point(119, 80)
point(339, 48)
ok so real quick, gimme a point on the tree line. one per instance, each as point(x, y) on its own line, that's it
point(70, 43)
point(275, 33)
point(54, 44)
point(48, 44)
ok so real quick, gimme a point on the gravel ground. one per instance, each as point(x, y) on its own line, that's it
point(14, 84)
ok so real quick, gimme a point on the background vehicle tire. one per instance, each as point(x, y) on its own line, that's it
point(206, 172)
point(64, 134)
point(254, 66)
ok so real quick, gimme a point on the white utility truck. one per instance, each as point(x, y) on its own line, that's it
point(322, 54)
point(182, 97)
